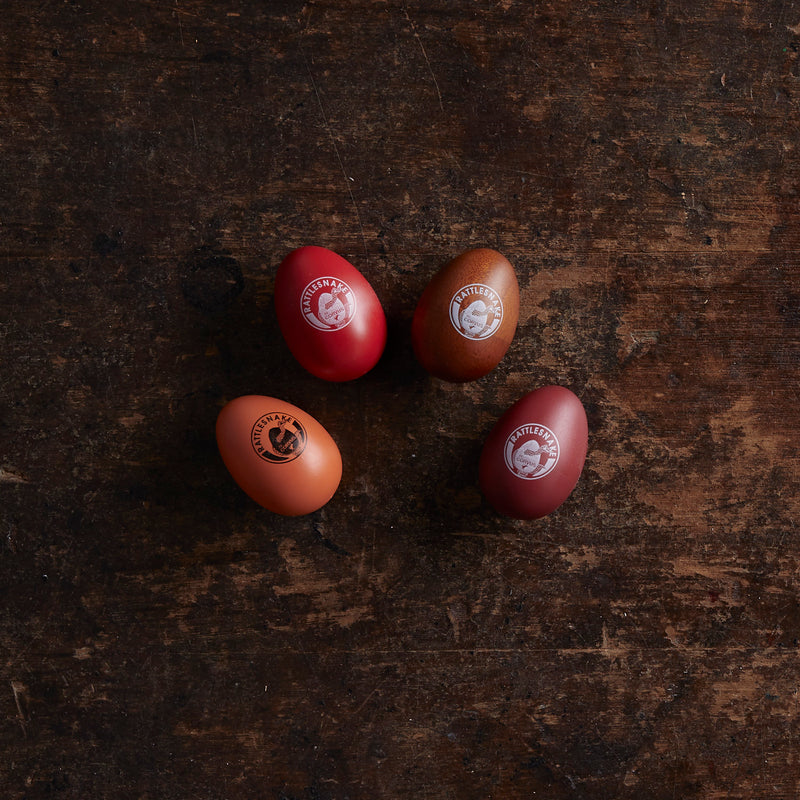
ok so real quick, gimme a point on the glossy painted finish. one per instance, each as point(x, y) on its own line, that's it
point(329, 314)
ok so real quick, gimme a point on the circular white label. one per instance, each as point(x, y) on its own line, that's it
point(328, 304)
point(531, 451)
point(476, 311)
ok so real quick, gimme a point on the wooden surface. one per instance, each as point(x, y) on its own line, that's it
point(163, 637)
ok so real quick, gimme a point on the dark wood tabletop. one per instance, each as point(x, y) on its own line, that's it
point(162, 636)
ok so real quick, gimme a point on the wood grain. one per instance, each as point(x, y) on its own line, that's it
point(163, 637)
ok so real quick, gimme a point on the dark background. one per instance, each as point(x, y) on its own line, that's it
point(161, 636)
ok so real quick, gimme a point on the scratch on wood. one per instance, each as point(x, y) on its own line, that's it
point(180, 25)
point(456, 613)
point(132, 420)
point(425, 56)
point(19, 690)
point(11, 477)
point(204, 18)
point(363, 703)
point(347, 179)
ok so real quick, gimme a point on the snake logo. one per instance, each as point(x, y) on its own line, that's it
point(476, 311)
point(328, 304)
point(278, 438)
point(531, 451)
